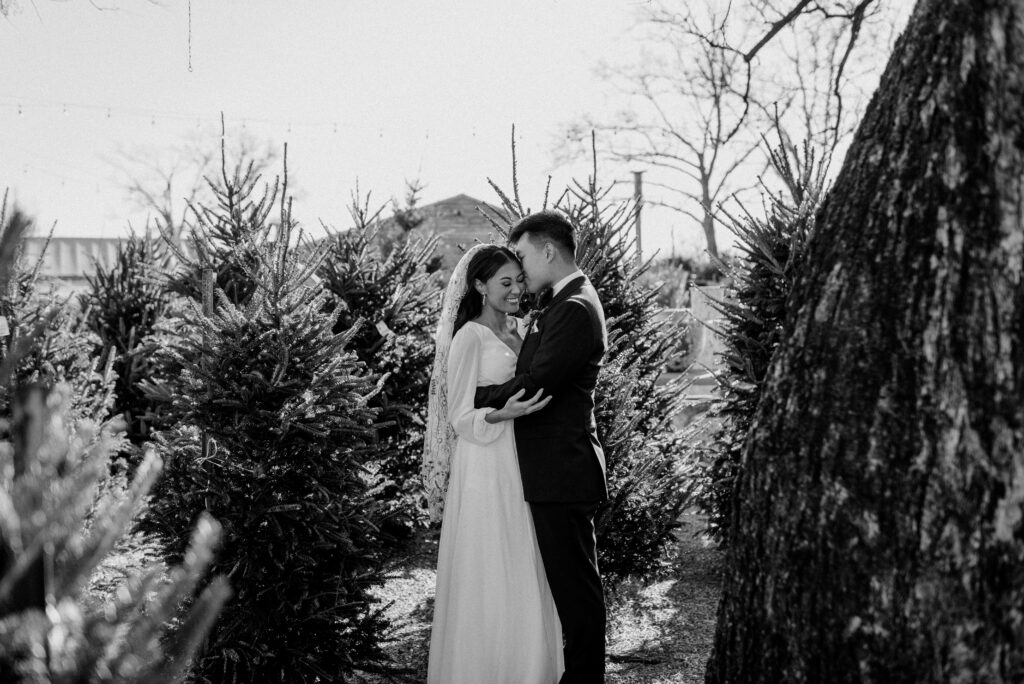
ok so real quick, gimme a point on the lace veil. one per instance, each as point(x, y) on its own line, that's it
point(439, 440)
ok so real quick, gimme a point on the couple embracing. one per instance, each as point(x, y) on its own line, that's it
point(511, 418)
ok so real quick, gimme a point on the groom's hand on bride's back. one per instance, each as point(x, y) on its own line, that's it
point(517, 406)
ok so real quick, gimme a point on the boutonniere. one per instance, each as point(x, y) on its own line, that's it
point(530, 319)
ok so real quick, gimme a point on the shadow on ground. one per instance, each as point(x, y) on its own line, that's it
point(659, 631)
point(662, 631)
point(407, 597)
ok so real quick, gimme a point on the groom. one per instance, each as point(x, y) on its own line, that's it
point(560, 459)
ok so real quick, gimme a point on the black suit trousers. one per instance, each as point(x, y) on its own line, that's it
point(568, 547)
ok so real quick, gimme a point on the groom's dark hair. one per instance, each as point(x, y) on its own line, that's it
point(549, 225)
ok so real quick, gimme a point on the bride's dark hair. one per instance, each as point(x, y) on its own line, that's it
point(482, 267)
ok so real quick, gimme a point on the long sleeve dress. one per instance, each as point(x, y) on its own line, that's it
point(494, 619)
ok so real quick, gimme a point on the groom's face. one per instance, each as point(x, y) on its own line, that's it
point(536, 258)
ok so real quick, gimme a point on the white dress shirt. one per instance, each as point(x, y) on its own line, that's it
point(560, 285)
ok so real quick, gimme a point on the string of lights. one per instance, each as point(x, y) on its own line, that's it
point(35, 162)
point(27, 106)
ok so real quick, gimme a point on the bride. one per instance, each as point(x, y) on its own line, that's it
point(494, 618)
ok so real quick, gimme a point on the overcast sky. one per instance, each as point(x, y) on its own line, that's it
point(374, 92)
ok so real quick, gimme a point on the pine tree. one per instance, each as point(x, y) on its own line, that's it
point(124, 304)
point(48, 337)
point(227, 235)
point(772, 253)
point(398, 300)
point(53, 536)
point(287, 411)
point(53, 533)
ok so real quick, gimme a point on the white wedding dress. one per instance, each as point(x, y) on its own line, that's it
point(494, 618)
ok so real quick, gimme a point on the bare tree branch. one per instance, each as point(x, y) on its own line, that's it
point(775, 28)
point(697, 100)
point(170, 182)
point(856, 21)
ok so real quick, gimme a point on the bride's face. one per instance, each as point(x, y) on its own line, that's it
point(502, 290)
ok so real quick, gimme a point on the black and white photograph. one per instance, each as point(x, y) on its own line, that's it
point(532, 342)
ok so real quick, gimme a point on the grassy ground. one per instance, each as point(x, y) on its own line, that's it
point(659, 631)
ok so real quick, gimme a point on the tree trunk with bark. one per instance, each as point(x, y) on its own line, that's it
point(878, 519)
point(708, 213)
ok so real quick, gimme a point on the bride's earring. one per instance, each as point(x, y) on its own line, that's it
point(483, 300)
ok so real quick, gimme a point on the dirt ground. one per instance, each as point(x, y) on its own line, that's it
point(658, 632)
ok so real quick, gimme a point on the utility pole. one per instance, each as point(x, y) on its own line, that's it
point(638, 200)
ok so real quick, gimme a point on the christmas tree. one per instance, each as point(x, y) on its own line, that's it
point(273, 427)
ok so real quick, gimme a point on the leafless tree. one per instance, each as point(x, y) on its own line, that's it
point(817, 62)
point(714, 77)
point(167, 182)
point(683, 119)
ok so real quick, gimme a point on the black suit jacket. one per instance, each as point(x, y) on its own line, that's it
point(560, 458)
